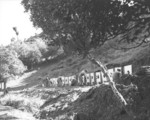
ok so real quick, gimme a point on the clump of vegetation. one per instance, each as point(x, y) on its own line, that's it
point(10, 64)
point(29, 52)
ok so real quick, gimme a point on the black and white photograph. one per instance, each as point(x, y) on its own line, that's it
point(74, 59)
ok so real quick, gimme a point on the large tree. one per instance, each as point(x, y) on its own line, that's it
point(83, 25)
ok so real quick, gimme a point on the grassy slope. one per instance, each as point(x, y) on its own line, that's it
point(71, 65)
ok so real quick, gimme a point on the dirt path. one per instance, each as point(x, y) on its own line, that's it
point(23, 82)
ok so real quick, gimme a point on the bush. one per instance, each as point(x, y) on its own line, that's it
point(28, 53)
point(9, 63)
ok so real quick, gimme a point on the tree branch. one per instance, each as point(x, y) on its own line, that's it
point(112, 84)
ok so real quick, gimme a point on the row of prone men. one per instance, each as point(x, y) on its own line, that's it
point(77, 80)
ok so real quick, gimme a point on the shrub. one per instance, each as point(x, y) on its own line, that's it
point(9, 63)
point(28, 53)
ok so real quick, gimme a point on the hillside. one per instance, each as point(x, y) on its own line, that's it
point(67, 65)
point(70, 65)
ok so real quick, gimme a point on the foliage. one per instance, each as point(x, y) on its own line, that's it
point(52, 51)
point(85, 24)
point(27, 53)
point(9, 63)
point(47, 49)
point(34, 49)
point(38, 43)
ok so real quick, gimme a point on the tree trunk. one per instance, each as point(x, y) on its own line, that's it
point(112, 84)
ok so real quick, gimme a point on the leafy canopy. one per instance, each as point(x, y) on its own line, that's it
point(85, 24)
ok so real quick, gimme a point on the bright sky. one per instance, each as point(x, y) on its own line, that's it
point(12, 15)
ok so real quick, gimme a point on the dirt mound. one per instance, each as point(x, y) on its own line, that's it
point(100, 103)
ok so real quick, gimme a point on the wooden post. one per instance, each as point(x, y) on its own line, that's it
point(98, 78)
point(88, 78)
point(0, 85)
point(4, 84)
point(92, 78)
